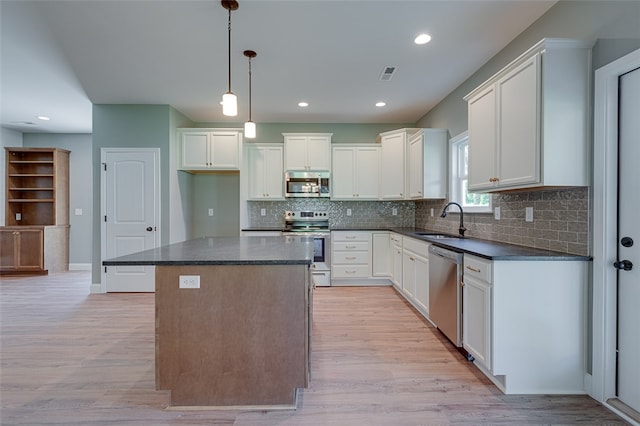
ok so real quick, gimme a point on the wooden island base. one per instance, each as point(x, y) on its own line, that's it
point(241, 339)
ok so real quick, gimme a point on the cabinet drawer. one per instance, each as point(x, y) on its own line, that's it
point(351, 258)
point(357, 271)
point(350, 236)
point(478, 268)
point(418, 247)
point(353, 246)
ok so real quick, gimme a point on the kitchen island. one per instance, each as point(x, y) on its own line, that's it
point(233, 319)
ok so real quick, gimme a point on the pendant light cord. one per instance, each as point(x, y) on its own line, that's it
point(229, 50)
point(249, 88)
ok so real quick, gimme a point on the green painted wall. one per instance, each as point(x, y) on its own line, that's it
point(342, 132)
point(140, 126)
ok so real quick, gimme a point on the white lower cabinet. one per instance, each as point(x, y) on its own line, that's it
point(476, 305)
point(359, 258)
point(381, 255)
point(524, 321)
point(415, 273)
point(350, 255)
point(396, 259)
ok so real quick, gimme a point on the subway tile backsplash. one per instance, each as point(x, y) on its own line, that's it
point(366, 214)
point(560, 217)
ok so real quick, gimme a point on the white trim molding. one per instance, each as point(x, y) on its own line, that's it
point(605, 190)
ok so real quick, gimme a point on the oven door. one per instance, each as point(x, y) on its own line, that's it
point(321, 266)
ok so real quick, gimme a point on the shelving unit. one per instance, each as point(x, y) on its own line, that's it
point(37, 205)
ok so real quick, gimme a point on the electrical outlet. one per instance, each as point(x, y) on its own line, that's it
point(431, 212)
point(78, 212)
point(263, 212)
point(189, 281)
point(18, 216)
point(210, 212)
point(528, 214)
point(496, 213)
point(394, 211)
point(348, 212)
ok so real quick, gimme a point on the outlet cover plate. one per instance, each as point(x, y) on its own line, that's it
point(496, 213)
point(189, 281)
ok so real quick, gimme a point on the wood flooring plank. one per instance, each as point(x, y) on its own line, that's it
point(71, 358)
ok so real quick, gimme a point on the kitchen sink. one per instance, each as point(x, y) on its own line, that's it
point(437, 236)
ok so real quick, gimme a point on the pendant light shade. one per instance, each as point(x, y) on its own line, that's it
point(250, 130)
point(229, 100)
point(230, 104)
point(250, 126)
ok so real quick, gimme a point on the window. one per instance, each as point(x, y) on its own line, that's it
point(459, 154)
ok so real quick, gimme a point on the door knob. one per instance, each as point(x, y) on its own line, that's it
point(623, 265)
point(626, 241)
point(149, 228)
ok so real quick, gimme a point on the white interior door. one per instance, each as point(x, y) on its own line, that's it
point(628, 372)
point(131, 215)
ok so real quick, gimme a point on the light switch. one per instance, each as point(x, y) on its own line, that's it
point(78, 212)
point(394, 211)
point(210, 212)
point(348, 212)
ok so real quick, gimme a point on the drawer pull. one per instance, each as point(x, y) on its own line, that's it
point(350, 272)
point(473, 269)
point(350, 237)
point(350, 257)
point(351, 247)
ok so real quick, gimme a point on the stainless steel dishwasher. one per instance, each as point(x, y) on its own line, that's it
point(445, 293)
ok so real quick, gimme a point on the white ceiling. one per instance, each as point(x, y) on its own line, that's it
point(60, 57)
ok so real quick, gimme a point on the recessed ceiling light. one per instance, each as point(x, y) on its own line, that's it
point(380, 104)
point(422, 39)
point(303, 104)
point(44, 118)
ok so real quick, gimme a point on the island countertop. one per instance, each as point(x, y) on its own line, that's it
point(294, 250)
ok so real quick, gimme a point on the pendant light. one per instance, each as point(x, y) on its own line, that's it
point(250, 126)
point(229, 100)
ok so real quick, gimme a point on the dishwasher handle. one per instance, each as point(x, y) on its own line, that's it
point(453, 256)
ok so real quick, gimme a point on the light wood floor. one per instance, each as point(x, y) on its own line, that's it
point(71, 358)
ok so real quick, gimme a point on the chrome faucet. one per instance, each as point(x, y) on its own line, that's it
point(462, 229)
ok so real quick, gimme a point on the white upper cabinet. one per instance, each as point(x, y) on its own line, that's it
point(355, 172)
point(209, 150)
point(427, 164)
point(392, 168)
point(529, 123)
point(266, 176)
point(307, 151)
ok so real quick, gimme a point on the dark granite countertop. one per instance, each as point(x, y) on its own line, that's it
point(293, 250)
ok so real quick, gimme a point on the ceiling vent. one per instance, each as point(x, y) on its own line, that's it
point(387, 73)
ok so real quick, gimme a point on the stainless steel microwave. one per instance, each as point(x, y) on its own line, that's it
point(307, 184)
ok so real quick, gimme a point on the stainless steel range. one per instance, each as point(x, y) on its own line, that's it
point(313, 224)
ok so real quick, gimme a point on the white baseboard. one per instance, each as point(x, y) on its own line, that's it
point(80, 266)
point(96, 288)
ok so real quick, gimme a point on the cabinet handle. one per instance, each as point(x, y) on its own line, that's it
point(350, 247)
point(350, 237)
point(473, 269)
point(350, 257)
point(350, 272)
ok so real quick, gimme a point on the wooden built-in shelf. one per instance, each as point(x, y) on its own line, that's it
point(36, 236)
